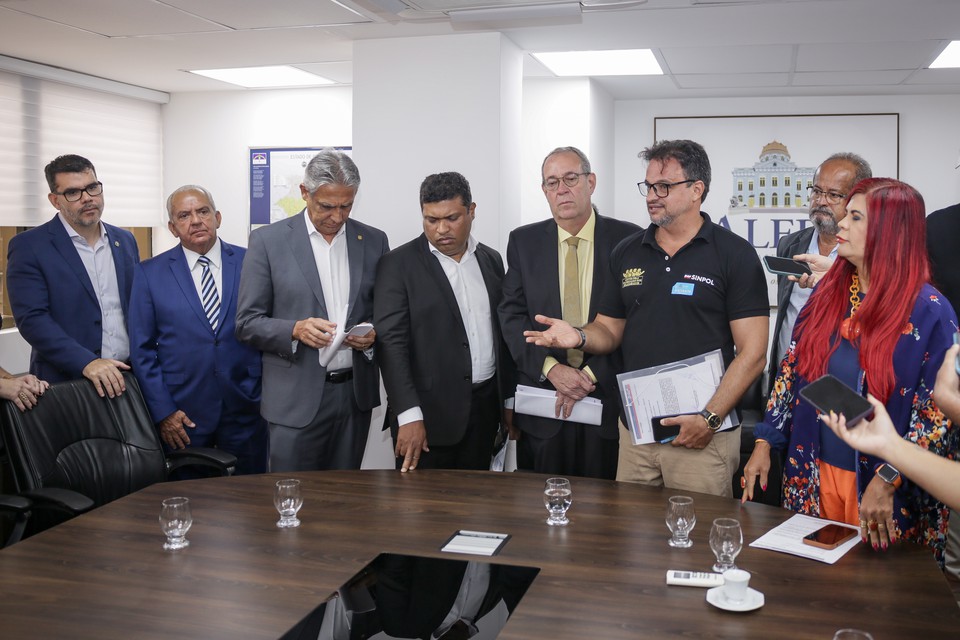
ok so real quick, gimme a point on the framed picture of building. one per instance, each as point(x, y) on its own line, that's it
point(762, 165)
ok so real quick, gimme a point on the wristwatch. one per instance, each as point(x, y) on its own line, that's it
point(713, 420)
point(890, 475)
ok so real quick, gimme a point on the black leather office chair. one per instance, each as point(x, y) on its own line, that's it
point(91, 450)
point(751, 409)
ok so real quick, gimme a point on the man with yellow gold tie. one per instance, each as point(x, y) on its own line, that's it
point(557, 266)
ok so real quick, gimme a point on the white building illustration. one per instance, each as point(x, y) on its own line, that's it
point(773, 183)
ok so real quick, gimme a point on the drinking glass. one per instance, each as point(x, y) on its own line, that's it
point(175, 521)
point(681, 519)
point(557, 497)
point(288, 500)
point(851, 634)
point(726, 541)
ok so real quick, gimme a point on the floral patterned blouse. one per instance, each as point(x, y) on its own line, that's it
point(791, 423)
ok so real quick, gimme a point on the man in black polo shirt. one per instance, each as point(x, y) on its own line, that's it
point(682, 288)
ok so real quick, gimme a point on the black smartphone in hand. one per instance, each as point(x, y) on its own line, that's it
point(786, 266)
point(828, 394)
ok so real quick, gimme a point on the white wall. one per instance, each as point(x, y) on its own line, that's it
point(206, 138)
point(929, 137)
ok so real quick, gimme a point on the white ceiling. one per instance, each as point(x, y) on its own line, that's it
point(708, 48)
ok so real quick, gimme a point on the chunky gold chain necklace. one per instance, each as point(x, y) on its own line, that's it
point(854, 306)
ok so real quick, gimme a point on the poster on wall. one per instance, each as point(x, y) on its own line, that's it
point(763, 165)
point(275, 177)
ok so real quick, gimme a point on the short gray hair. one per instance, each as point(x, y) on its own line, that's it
point(584, 162)
point(863, 170)
point(184, 189)
point(330, 166)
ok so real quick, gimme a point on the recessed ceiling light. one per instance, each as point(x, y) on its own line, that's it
point(949, 58)
point(263, 77)
point(617, 62)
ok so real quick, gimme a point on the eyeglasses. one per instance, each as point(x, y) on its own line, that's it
point(72, 195)
point(569, 179)
point(831, 196)
point(660, 189)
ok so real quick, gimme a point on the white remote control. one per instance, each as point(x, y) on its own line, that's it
point(694, 578)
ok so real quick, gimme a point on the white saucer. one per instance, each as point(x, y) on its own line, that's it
point(754, 600)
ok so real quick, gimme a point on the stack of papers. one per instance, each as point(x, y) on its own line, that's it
point(533, 401)
point(788, 538)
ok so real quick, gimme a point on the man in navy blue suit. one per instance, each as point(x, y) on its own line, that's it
point(69, 283)
point(202, 386)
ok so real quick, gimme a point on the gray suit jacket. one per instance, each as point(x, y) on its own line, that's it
point(279, 285)
point(789, 246)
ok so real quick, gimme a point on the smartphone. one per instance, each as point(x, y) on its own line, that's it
point(666, 433)
point(786, 266)
point(956, 363)
point(829, 394)
point(830, 536)
point(361, 329)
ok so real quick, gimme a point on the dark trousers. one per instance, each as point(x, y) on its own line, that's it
point(577, 450)
point(242, 434)
point(334, 439)
point(476, 447)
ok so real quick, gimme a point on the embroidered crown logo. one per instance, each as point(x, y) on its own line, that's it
point(632, 277)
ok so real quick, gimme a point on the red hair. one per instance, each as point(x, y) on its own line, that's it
point(895, 260)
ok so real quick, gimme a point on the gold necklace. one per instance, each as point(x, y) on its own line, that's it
point(845, 326)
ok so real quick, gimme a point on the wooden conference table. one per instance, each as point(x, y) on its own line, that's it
point(105, 575)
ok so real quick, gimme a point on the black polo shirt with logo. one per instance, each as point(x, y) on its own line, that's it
point(681, 306)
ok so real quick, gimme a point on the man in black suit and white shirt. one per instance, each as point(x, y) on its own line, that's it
point(537, 256)
point(444, 364)
point(832, 181)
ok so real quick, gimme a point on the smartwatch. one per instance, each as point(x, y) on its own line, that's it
point(890, 475)
point(713, 420)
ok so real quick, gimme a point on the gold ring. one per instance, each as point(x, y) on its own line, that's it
point(863, 524)
point(24, 396)
point(872, 525)
point(882, 526)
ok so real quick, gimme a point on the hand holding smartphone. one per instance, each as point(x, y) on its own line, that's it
point(361, 329)
point(830, 394)
point(786, 266)
point(666, 433)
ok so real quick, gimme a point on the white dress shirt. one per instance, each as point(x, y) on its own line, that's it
point(334, 269)
point(196, 269)
point(469, 289)
point(98, 262)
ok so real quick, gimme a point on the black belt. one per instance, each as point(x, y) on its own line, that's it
point(337, 377)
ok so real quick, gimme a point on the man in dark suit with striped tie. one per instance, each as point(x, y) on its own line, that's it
point(201, 384)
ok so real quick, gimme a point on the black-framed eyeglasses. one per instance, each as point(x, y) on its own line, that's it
point(660, 189)
point(569, 179)
point(72, 195)
point(831, 196)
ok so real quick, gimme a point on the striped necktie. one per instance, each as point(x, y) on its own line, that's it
point(208, 293)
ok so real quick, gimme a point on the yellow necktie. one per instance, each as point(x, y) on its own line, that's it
point(571, 295)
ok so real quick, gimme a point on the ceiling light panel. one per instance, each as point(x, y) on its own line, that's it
point(616, 62)
point(265, 77)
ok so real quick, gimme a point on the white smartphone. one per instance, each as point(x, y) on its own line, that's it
point(361, 329)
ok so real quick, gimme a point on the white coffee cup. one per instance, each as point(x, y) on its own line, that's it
point(735, 583)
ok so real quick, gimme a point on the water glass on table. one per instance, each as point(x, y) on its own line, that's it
point(726, 541)
point(681, 518)
point(557, 498)
point(288, 500)
point(175, 521)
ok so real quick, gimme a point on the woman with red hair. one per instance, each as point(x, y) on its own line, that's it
point(875, 322)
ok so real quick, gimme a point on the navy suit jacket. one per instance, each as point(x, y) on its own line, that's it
point(422, 341)
point(280, 285)
point(53, 301)
point(531, 287)
point(179, 360)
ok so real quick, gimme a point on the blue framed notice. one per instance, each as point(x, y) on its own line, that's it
point(275, 177)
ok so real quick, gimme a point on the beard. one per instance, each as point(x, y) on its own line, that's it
point(824, 221)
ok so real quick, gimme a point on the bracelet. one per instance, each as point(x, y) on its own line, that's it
point(583, 338)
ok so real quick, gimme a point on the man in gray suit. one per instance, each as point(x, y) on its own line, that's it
point(832, 181)
point(298, 276)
